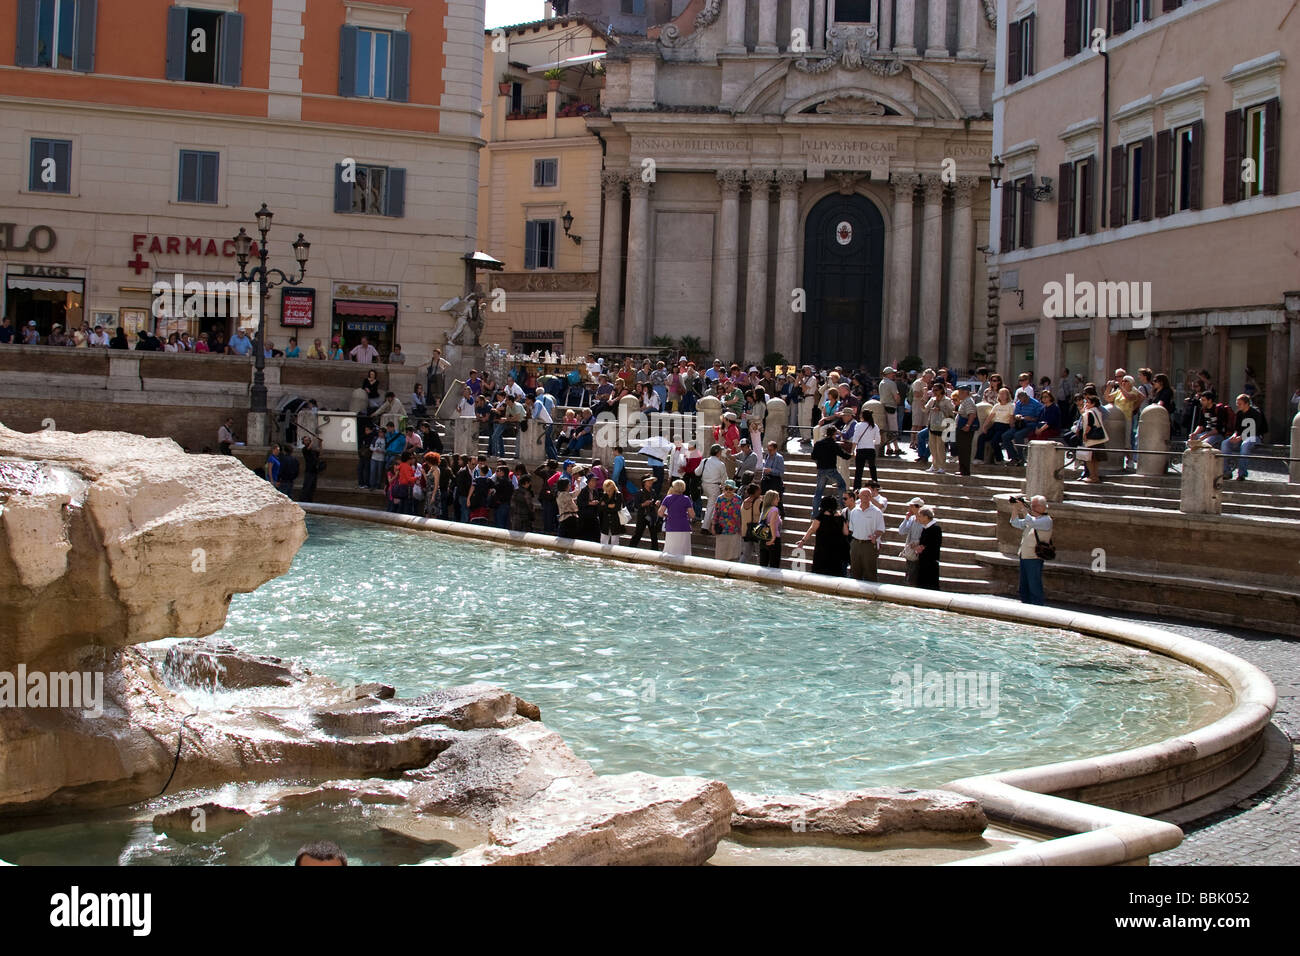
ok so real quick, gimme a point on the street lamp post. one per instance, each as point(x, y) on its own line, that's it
point(257, 410)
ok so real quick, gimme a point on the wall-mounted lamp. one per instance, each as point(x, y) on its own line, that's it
point(1037, 193)
point(568, 224)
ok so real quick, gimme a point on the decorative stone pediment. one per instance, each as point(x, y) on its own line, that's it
point(852, 48)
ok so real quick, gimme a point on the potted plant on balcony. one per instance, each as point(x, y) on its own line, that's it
point(553, 76)
point(504, 86)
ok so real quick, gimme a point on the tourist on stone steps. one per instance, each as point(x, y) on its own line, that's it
point(522, 503)
point(608, 503)
point(826, 453)
point(744, 467)
point(1026, 414)
point(865, 526)
point(910, 531)
point(1036, 528)
point(226, 436)
point(866, 438)
point(750, 515)
point(772, 469)
point(1248, 432)
point(503, 492)
point(567, 509)
point(647, 514)
point(712, 472)
point(310, 468)
point(1093, 437)
point(928, 549)
point(271, 467)
point(808, 389)
point(892, 401)
point(831, 551)
point(1000, 420)
point(769, 541)
point(726, 526)
point(678, 514)
point(967, 421)
point(937, 411)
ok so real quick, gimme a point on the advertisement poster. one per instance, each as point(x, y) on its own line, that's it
point(298, 308)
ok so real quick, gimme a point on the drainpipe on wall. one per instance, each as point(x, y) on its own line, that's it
point(1105, 161)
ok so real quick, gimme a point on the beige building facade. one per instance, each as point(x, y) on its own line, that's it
point(1175, 201)
point(539, 170)
point(804, 179)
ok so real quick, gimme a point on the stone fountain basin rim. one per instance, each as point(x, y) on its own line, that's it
point(1024, 796)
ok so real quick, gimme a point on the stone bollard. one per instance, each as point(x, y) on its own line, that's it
point(1295, 449)
point(877, 409)
point(774, 428)
point(1201, 492)
point(982, 412)
point(1153, 436)
point(532, 444)
point(604, 439)
point(708, 413)
point(1045, 470)
point(464, 432)
point(1116, 440)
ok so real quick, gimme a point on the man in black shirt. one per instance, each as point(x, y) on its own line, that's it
point(826, 452)
point(1248, 432)
point(310, 468)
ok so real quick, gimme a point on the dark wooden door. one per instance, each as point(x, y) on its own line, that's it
point(844, 247)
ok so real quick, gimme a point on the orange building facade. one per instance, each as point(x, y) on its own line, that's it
point(139, 137)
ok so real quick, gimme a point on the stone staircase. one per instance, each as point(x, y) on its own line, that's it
point(963, 506)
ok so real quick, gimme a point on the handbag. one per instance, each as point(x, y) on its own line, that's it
point(624, 516)
point(1096, 433)
point(762, 532)
point(1046, 551)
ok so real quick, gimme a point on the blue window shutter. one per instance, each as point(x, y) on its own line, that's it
point(401, 85)
point(188, 185)
point(26, 55)
point(342, 191)
point(209, 176)
point(395, 201)
point(232, 48)
point(530, 244)
point(348, 61)
point(83, 52)
point(61, 150)
point(177, 18)
point(40, 152)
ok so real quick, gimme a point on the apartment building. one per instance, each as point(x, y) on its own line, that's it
point(1149, 199)
point(137, 138)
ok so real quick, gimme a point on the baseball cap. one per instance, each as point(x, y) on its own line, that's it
point(917, 501)
point(889, 369)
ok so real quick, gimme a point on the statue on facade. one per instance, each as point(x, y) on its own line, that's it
point(468, 310)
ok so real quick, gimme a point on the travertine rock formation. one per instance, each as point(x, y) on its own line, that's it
point(871, 812)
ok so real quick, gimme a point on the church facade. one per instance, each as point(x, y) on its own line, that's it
point(807, 179)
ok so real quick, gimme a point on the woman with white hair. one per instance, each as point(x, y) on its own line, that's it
point(678, 514)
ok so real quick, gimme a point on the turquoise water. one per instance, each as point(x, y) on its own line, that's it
point(670, 673)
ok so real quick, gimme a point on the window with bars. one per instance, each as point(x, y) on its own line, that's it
point(198, 176)
point(51, 166)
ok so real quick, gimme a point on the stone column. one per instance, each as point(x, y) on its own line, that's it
point(611, 256)
point(1278, 384)
point(968, 25)
point(894, 339)
point(786, 324)
point(1045, 470)
point(532, 444)
point(959, 278)
point(905, 28)
point(638, 248)
point(1153, 436)
point(708, 415)
point(819, 25)
point(760, 190)
point(931, 270)
point(799, 21)
point(766, 27)
point(726, 266)
point(1201, 492)
point(735, 27)
point(936, 43)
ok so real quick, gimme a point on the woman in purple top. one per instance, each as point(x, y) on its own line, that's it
point(678, 514)
point(769, 551)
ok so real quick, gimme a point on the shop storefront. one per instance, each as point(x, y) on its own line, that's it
point(365, 309)
point(46, 295)
point(527, 341)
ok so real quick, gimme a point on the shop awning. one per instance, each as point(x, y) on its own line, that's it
point(571, 61)
point(43, 284)
point(378, 310)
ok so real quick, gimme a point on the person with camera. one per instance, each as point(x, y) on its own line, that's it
point(1035, 544)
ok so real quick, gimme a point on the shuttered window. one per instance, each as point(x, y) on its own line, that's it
point(375, 64)
point(198, 176)
point(57, 34)
point(205, 46)
point(545, 172)
point(1020, 49)
point(1178, 169)
point(1251, 151)
point(1025, 198)
point(1074, 216)
point(51, 166)
point(1080, 20)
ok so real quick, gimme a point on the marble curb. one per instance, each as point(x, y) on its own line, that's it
point(1097, 836)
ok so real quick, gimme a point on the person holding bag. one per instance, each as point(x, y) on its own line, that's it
point(1035, 545)
point(768, 532)
point(1093, 434)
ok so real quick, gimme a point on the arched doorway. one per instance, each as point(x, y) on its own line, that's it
point(844, 255)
